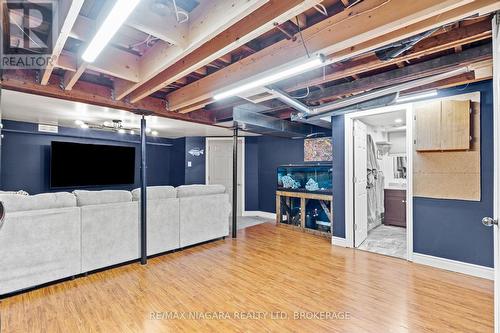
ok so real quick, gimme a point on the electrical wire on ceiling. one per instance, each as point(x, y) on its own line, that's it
point(321, 8)
point(179, 13)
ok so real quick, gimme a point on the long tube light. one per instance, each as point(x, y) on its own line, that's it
point(281, 75)
point(119, 13)
point(413, 97)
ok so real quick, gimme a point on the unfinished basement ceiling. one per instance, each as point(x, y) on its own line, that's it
point(173, 65)
point(24, 107)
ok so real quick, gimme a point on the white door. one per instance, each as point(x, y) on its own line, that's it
point(496, 146)
point(360, 193)
point(220, 167)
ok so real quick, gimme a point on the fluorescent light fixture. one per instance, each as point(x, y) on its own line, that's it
point(272, 78)
point(413, 97)
point(398, 120)
point(119, 13)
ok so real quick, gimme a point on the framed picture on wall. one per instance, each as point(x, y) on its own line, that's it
point(318, 150)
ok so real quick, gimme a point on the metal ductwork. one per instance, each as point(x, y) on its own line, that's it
point(394, 50)
point(310, 114)
point(267, 125)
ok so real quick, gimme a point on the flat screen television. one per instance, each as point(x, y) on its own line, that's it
point(84, 165)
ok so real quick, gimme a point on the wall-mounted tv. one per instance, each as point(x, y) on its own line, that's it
point(84, 165)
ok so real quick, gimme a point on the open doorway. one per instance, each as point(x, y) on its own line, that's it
point(379, 170)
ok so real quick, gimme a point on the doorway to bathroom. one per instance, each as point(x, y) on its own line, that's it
point(378, 181)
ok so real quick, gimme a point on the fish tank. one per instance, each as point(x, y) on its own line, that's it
point(310, 178)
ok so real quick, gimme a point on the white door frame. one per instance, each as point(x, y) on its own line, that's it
point(349, 172)
point(496, 163)
point(242, 169)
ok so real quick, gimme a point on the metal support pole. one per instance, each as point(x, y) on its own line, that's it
point(235, 181)
point(144, 254)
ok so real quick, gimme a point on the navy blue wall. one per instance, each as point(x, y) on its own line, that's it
point(263, 155)
point(195, 174)
point(338, 176)
point(178, 162)
point(252, 173)
point(452, 229)
point(449, 229)
point(26, 156)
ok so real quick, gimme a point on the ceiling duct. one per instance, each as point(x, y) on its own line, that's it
point(258, 123)
point(312, 114)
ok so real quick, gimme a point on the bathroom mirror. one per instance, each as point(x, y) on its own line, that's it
point(399, 167)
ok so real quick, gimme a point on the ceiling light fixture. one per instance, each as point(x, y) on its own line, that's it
point(413, 97)
point(310, 64)
point(119, 13)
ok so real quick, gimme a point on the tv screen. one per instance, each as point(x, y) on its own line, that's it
point(81, 165)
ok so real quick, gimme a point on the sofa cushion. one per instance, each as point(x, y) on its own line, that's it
point(199, 190)
point(20, 192)
point(89, 198)
point(156, 193)
point(20, 203)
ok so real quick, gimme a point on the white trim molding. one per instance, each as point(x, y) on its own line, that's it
point(349, 171)
point(337, 241)
point(266, 215)
point(454, 266)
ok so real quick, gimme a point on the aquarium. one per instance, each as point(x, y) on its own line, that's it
point(312, 178)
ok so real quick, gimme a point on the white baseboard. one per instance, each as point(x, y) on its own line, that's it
point(266, 215)
point(339, 241)
point(454, 266)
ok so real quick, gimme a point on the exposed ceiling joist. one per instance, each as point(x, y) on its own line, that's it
point(207, 21)
point(368, 25)
point(158, 24)
point(68, 14)
point(85, 92)
point(408, 73)
point(436, 43)
point(249, 27)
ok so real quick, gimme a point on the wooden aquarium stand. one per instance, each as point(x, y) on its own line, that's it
point(326, 201)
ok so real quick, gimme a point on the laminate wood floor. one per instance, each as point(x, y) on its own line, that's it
point(269, 279)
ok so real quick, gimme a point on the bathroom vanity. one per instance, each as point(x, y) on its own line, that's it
point(395, 207)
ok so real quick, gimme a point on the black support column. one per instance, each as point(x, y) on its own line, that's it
point(144, 203)
point(144, 248)
point(235, 181)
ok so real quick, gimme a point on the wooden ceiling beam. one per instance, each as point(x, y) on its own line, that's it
point(86, 92)
point(160, 25)
point(408, 73)
point(241, 32)
point(68, 14)
point(206, 21)
point(70, 78)
point(368, 25)
point(437, 43)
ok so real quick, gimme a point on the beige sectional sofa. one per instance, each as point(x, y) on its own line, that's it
point(52, 236)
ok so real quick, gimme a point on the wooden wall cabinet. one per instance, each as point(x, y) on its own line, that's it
point(443, 125)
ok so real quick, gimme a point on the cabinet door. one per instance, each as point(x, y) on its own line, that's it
point(395, 208)
point(455, 125)
point(428, 126)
